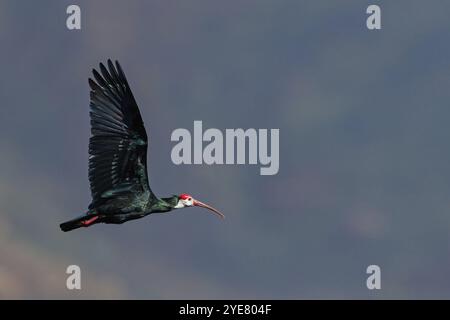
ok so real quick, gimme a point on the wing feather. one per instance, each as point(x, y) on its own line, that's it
point(118, 143)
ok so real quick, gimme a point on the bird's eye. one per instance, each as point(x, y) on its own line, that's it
point(189, 199)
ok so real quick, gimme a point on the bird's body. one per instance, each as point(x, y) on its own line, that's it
point(118, 157)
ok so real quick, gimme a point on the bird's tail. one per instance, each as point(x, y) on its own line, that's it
point(82, 221)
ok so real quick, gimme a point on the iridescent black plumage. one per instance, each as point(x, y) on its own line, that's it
point(117, 154)
point(118, 157)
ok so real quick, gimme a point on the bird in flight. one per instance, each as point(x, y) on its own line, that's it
point(118, 157)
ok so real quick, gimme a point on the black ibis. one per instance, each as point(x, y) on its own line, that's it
point(118, 157)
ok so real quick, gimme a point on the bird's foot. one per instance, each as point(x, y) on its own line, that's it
point(88, 222)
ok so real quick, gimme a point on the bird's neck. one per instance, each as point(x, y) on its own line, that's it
point(165, 204)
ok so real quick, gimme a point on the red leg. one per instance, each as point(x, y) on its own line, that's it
point(87, 223)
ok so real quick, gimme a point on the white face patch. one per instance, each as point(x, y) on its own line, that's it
point(189, 202)
point(179, 205)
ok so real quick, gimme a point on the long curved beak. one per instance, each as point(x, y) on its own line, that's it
point(204, 205)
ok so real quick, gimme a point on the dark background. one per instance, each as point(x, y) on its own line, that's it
point(364, 153)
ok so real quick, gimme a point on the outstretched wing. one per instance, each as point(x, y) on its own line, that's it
point(118, 143)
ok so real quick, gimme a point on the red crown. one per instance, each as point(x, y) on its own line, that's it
point(184, 196)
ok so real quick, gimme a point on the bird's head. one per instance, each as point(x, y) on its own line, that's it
point(186, 200)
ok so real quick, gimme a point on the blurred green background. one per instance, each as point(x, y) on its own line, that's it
point(364, 155)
